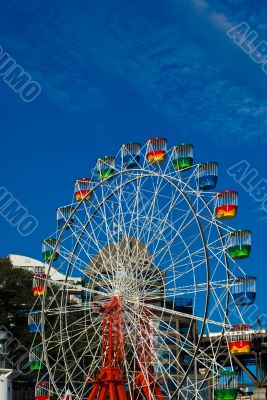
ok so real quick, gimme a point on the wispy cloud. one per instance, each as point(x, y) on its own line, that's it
point(180, 62)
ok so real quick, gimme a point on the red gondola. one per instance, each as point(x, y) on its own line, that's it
point(82, 190)
point(226, 204)
point(239, 340)
point(38, 284)
point(42, 390)
point(156, 150)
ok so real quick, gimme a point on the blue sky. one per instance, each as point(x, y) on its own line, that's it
point(115, 71)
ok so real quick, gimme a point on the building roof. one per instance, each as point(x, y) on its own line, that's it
point(29, 263)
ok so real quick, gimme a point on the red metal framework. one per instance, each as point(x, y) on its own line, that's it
point(110, 383)
point(145, 384)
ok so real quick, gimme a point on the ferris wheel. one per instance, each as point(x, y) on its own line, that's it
point(156, 266)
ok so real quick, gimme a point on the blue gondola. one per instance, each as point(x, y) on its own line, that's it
point(63, 214)
point(130, 154)
point(34, 322)
point(244, 291)
point(207, 175)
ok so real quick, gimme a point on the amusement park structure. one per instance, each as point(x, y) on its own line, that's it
point(163, 287)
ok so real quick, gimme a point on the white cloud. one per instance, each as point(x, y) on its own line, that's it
point(186, 69)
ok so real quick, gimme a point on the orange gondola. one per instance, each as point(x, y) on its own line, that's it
point(156, 150)
point(82, 189)
point(39, 284)
point(239, 339)
point(226, 204)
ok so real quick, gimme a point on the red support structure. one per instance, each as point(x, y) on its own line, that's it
point(145, 381)
point(109, 383)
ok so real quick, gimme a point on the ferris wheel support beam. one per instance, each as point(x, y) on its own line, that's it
point(144, 379)
point(109, 381)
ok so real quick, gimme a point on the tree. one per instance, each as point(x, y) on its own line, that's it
point(16, 299)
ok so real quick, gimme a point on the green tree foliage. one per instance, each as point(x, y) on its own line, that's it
point(16, 299)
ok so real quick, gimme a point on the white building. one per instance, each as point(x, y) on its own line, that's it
point(31, 264)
